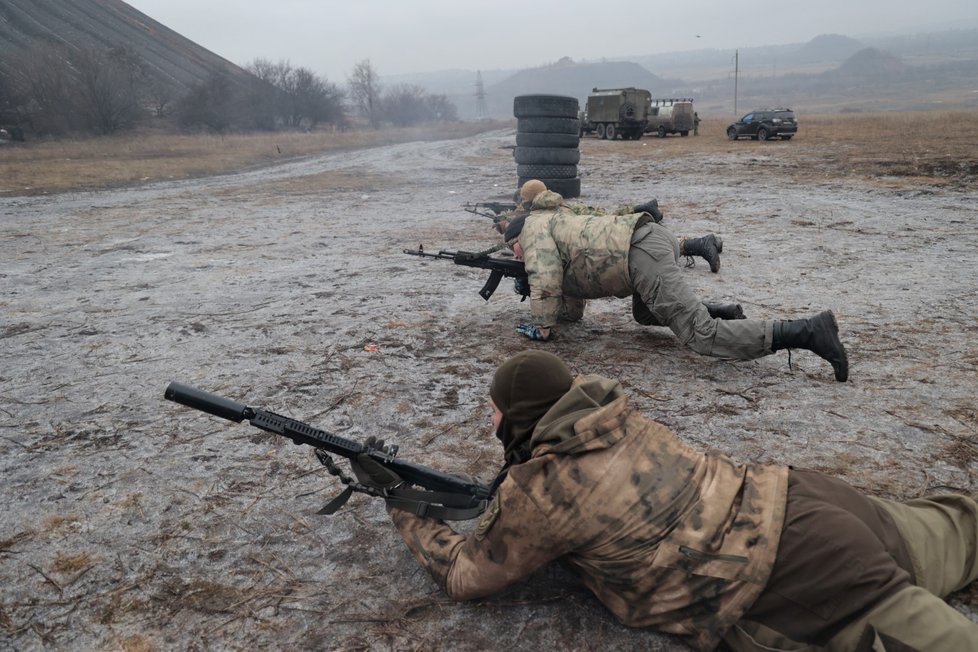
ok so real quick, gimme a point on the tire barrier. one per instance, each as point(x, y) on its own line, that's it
point(548, 136)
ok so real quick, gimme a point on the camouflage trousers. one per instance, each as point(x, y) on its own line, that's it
point(937, 554)
point(662, 298)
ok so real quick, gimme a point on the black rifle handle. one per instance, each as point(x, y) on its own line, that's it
point(207, 402)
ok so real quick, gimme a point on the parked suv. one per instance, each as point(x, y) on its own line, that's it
point(763, 124)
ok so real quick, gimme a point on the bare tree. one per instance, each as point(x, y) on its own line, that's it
point(40, 88)
point(364, 86)
point(407, 104)
point(108, 87)
point(208, 104)
point(302, 99)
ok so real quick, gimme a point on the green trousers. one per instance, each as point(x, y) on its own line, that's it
point(941, 536)
point(663, 298)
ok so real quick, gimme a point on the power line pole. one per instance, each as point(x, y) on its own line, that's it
point(736, 79)
point(481, 110)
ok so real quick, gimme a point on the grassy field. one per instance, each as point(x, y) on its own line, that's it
point(939, 147)
point(52, 166)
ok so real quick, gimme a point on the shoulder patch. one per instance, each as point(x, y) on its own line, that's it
point(488, 518)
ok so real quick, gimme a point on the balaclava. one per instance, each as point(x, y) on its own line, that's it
point(524, 388)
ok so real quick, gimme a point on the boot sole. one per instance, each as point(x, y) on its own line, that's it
point(842, 371)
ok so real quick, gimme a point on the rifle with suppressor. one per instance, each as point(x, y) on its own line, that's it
point(498, 268)
point(497, 208)
point(443, 495)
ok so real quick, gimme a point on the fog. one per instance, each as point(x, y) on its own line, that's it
point(399, 37)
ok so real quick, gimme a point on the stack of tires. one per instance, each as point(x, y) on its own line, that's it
point(548, 133)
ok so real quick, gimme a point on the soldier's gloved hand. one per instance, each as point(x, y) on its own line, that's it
point(376, 444)
point(374, 474)
point(534, 332)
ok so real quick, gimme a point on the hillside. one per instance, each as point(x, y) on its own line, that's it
point(168, 57)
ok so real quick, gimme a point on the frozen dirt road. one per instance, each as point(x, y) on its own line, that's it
point(128, 522)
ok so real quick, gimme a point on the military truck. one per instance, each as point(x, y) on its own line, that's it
point(670, 116)
point(613, 112)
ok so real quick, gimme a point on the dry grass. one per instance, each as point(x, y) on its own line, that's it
point(938, 147)
point(934, 147)
point(52, 166)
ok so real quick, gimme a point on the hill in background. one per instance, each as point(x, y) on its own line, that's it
point(169, 58)
point(829, 72)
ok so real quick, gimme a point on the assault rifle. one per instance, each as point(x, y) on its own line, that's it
point(497, 208)
point(443, 495)
point(498, 268)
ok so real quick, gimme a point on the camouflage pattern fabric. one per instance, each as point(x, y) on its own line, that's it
point(574, 256)
point(665, 536)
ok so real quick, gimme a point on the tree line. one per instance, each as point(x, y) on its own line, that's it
point(51, 90)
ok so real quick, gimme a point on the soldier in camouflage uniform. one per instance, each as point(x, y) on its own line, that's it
point(570, 258)
point(708, 247)
point(696, 544)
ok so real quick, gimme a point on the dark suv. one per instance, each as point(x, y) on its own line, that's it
point(763, 124)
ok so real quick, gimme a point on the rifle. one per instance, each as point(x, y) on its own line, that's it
point(444, 495)
point(498, 268)
point(497, 208)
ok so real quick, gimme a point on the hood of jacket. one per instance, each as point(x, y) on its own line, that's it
point(558, 431)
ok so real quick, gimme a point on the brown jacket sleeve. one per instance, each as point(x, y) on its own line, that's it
point(511, 541)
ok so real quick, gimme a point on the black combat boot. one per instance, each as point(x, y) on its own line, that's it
point(650, 207)
point(820, 335)
point(725, 310)
point(708, 247)
point(641, 312)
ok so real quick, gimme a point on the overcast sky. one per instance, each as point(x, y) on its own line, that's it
point(410, 36)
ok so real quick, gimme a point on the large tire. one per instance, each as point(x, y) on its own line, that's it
point(600, 131)
point(566, 188)
point(549, 126)
point(610, 131)
point(540, 106)
point(662, 131)
point(547, 140)
point(546, 171)
point(547, 155)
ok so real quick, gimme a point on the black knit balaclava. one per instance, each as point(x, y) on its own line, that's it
point(524, 388)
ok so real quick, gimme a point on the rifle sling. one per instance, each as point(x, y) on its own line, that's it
point(443, 505)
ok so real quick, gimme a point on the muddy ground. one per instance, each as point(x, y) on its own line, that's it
point(129, 522)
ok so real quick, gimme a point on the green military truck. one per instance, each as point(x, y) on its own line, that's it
point(671, 116)
point(613, 112)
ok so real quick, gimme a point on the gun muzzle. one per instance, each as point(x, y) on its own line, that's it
point(207, 402)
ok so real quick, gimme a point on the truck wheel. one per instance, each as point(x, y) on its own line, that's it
point(610, 131)
point(566, 188)
point(762, 134)
point(662, 131)
point(547, 140)
point(534, 171)
point(545, 106)
point(600, 131)
point(547, 155)
point(549, 126)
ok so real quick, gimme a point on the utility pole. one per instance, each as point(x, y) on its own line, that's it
point(481, 110)
point(736, 79)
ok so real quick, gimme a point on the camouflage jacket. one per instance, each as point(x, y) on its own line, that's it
point(665, 536)
point(570, 258)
